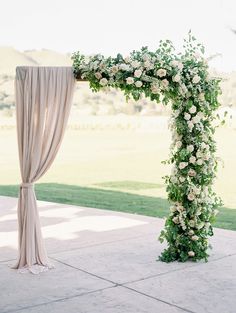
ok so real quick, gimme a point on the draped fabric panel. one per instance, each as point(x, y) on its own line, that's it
point(43, 102)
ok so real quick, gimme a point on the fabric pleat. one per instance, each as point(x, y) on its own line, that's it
point(43, 101)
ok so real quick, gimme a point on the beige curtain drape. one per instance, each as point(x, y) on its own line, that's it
point(43, 101)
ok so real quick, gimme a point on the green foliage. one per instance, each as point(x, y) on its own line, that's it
point(182, 80)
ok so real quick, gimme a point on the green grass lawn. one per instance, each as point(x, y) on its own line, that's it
point(112, 200)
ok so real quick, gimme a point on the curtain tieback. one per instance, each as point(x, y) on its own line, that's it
point(27, 185)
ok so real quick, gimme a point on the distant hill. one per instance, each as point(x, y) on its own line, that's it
point(48, 57)
point(10, 58)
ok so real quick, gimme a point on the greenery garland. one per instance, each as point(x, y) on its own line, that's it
point(184, 81)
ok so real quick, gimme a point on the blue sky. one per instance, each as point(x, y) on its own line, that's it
point(111, 26)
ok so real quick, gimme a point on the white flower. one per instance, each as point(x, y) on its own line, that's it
point(182, 179)
point(137, 73)
point(138, 84)
point(182, 165)
point(165, 83)
point(196, 79)
point(201, 114)
point(191, 196)
point(191, 254)
point(103, 82)
point(190, 148)
point(180, 66)
point(130, 80)
point(192, 173)
point(191, 232)
point(201, 96)
point(199, 162)
point(135, 64)
point(196, 119)
point(98, 75)
point(124, 67)
point(155, 89)
point(187, 116)
point(176, 78)
point(174, 179)
point(114, 69)
point(195, 238)
point(178, 144)
point(161, 72)
point(199, 154)
point(190, 125)
point(191, 223)
point(174, 63)
point(193, 109)
point(172, 209)
point(192, 159)
point(180, 208)
point(175, 220)
point(127, 59)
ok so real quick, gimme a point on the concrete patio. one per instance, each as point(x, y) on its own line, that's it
point(106, 262)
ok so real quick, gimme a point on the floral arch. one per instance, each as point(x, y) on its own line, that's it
point(184, 81)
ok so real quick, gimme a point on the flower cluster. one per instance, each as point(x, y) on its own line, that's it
point(182, 80)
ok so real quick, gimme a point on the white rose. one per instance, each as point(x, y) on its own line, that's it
point(201, 114)
point(196, 79)
point(114, 69)
point(103, 82)
point(180, 208)
point(191, 197)
point(178, 144)
point(174, 63)
point(137, 73)
point(195, 238)
point(192, 159)
point(124, 67)
point(191, 254)
point(196, 119)
point(191, 232)
point(165, 83)
point(138, 84)
point(180, 66)
point(172, 209)
point(201, 96)
point(199, 154)
point(192, 173)
point(193, 109)
point(191, 223)
point(182, 165)
point(135, 64)
point(187, 116)
point(176, 220)
point(190, 148)
point(130, 80)
point(98, 75)
point(190, 125)
point(199, 162)
point(182, 179)
point(161, 72)
point(127, 59)
point(174, 179)
point(155, 89)
point(176, 78)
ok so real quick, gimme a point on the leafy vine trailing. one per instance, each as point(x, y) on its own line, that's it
point(184, 81)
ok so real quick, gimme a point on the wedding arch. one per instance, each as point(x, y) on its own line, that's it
point(43, 100)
